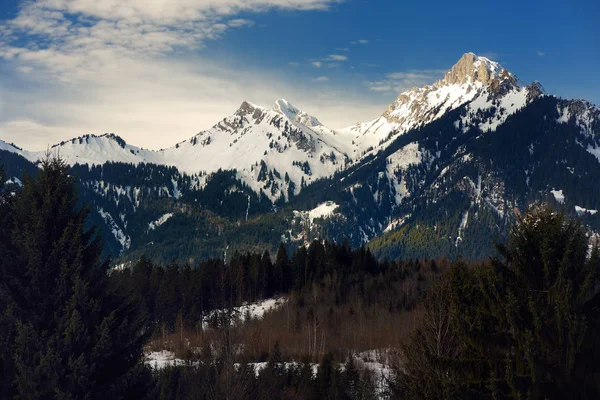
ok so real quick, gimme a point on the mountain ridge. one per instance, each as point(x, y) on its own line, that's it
point(444, 173)
point(317, 149)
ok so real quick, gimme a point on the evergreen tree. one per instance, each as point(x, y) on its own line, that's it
point(6, 317)
point(282, 270)
point(66, 332)
point(521, 319)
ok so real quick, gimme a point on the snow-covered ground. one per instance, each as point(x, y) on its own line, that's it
point(155, 224)
point(396, 223)
point(461, 228)
point(581, 211)
point(248, 312)
point(367, 360)
point(400, 161)
point(163, 359)
point(323, 210)
point(14, 180)
point(117, 232)
point(558, 196)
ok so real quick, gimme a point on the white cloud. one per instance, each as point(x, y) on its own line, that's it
point(321, 79)
point(400, 81)
point(317, 64)
point(25, 69)
point(361, 41)
point(337, 57)
point(157, 104)
point(72, 38)
point(132, 67)
point(239, 23)
point(541, 53)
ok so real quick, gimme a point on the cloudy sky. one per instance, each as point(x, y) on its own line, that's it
point(158, 71)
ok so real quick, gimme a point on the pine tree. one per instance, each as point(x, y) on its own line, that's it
point(282, 270)
point(6, 308)
point(522, 317)
point(69, 333)
point(268, 275)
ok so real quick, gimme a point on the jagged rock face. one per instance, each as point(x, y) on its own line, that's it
point(471, 67)
point(473, 79)
point(534, 91)
point(502, 84)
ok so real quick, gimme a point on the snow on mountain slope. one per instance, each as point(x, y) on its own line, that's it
point(488, 92)
point(274, 150)
point(278, 150)
point(14, 149)
point(399, 162)
point(587, 117)
point(473, 79)
point(88, 149)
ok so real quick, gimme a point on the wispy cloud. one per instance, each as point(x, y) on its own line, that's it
point(401, 81)
point(337, 57)
point(92, 66)
point(321, 79)
point(361, 41)
point(541, 53)
point(70, 39)
point(316, 64)
point(293, 64)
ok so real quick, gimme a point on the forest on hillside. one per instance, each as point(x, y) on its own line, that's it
point(342, 324)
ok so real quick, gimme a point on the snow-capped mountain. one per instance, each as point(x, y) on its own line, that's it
point(473, 79)
point(279, 150)
point(442, 171)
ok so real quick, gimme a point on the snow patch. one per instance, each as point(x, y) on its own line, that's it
point(14, 180)
point(323, 210)
point(461, 228)
point(163, 359)
point(396, 223)
point(558, 196)
point(581, 211)
point(155, 224)
point(248, 312)
point(121, 237)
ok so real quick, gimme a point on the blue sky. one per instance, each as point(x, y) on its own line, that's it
point(157, 71)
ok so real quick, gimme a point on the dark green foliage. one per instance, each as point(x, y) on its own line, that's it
point(522, 325)
point(66, 331)
point(529, 323)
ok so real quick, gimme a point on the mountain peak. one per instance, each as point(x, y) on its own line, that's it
point(247, 108)
point(472, 67)
point(286, 108)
